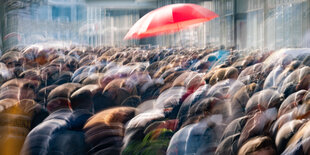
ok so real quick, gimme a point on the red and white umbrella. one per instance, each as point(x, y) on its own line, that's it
point(169, 19)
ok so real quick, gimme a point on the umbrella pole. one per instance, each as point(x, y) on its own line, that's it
point(179, 42)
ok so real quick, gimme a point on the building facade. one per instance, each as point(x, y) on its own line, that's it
point(242, 24)
point(252, 24)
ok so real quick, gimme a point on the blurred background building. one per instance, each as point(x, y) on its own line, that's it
point(243, 24)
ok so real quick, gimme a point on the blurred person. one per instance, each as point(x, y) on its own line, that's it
point(258, 146)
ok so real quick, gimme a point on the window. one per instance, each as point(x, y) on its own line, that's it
point(61, 13)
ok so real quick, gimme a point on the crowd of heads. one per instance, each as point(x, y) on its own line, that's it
point(108, 100)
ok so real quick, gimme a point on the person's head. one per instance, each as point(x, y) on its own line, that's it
point(258, 146)
point(222, 47)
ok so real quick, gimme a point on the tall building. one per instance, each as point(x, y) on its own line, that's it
point(253, 24)
point(29, 22)
point(243, 24)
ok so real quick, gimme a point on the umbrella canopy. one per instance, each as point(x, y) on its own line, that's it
point(170, 18)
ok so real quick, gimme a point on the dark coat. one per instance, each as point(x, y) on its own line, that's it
point(58, 128)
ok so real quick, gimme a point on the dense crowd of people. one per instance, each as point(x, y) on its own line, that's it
point(107, 100)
